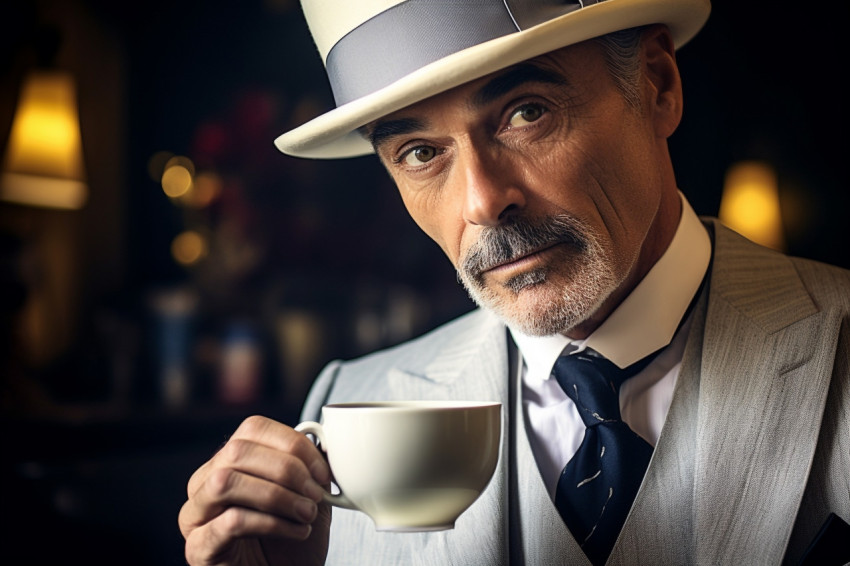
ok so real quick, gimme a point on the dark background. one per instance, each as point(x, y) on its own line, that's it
point(96, 451)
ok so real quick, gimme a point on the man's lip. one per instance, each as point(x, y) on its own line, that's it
point(520, 258)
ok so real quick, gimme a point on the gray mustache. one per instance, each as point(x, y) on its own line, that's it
point(520, 236)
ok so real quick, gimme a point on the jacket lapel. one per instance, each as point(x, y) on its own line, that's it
point(660, 526)
point(767, 354)
point(540, 535)
point(473, 366)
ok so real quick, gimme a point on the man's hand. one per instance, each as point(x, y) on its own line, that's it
point(257, 498)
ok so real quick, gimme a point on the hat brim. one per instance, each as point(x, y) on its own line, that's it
point(334, 134)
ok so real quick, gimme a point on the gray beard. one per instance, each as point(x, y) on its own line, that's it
point(590, 276)
point(519, 282)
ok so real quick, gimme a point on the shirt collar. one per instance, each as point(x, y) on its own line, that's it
point(648, 317)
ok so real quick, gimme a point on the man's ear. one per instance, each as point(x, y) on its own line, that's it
point(663, 80)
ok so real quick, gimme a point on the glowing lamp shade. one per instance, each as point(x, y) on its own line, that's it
point(750, 203)
point(43, 165)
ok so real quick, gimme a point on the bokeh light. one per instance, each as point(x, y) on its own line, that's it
point(189, 247)
point(177, 178)
point(205, 189)
point(750, 203)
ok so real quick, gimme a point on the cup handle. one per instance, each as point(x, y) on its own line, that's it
point(314, 428)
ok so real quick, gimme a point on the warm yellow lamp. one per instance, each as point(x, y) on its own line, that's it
point(750, 203)
point(43, 165)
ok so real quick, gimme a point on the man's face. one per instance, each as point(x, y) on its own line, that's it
point(539, 182)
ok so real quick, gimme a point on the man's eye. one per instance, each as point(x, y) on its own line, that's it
point(525, 115)
point(419, 155)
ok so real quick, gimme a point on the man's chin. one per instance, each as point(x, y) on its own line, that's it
point(535, 309)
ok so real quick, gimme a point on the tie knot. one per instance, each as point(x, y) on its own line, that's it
point(593, 383)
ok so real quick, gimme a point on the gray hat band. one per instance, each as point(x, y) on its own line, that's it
point(415, 33)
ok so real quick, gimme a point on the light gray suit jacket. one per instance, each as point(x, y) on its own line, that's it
point(753, 456)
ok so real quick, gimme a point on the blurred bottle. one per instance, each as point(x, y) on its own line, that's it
point(173, 321)
point(241, 367)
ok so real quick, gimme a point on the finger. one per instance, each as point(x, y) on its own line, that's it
point(281, 437)
point(198, 477)
point(263, 462)
point(271, 434)
point(212, 542)
point(226, 488)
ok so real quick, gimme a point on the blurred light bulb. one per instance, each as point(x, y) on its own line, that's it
point(188, 247)
point(750, 203)
point(205, 189)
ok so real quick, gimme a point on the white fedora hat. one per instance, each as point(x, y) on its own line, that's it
point(383, 55)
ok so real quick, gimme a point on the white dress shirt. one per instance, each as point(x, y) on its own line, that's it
point(644, 322)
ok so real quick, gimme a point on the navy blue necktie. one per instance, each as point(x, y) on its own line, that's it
point(598, 485)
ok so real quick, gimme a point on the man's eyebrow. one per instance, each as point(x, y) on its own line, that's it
point(500, 85)
point(514, 77)
point(385, 129)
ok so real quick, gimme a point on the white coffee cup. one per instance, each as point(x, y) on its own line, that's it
point(409, 465)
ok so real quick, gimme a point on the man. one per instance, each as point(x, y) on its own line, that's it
point(537, 159)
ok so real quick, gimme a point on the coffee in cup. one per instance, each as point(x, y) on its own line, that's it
point(409, 465)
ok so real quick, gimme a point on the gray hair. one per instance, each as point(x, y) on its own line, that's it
point(622, 57)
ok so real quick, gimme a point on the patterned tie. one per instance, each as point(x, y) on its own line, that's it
point(599, 484)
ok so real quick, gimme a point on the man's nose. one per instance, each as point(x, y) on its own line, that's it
point(492, 189)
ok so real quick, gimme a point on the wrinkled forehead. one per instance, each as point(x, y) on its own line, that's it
point(565, 68)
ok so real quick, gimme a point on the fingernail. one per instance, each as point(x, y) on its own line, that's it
point(319, 471)
point(306, 532)
point(313, 490)
point(305, 509)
